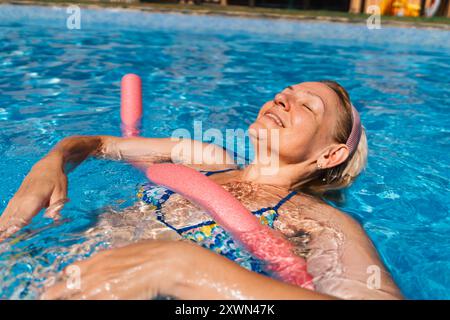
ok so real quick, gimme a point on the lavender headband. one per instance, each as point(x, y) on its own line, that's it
point(355, 134)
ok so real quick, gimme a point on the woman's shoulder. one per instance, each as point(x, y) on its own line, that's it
point(316, 208)
point(357, 251)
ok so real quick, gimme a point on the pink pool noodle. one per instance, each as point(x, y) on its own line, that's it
point(263, 242)
point(131, 105)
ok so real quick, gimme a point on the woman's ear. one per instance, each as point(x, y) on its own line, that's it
point(334, 156)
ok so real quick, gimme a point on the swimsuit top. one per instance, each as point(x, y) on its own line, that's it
point(209, 234)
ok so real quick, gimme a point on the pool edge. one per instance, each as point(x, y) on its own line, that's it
point(157, 8)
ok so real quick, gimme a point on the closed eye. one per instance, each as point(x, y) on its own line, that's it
point(307, 107)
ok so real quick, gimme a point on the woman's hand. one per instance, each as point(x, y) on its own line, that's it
point(169, 268)
point(44, 186)
point(139, 271)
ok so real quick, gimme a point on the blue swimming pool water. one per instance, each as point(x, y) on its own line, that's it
point(57, 82)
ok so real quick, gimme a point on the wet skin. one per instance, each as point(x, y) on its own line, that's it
point(336, 248)
point(338, 252)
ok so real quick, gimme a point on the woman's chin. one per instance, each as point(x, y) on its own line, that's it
point(260, 131)
point(255, 129)
point(257, 125)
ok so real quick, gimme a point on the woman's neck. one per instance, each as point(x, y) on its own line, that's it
point(286, 176)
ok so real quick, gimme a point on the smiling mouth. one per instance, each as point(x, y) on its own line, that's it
point(275, 118)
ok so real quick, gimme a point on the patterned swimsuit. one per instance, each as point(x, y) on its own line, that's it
point(209, 234)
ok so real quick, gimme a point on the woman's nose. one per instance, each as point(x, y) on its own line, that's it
point(280, 100)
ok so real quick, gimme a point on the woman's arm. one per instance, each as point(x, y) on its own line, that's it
point(46, 183)
point(171, 268)
point(74, 150)
point(335, 237)
point(212, 276)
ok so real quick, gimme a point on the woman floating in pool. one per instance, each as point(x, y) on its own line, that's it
point(314, 122)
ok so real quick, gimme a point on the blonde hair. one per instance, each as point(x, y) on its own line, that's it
point(342, 175)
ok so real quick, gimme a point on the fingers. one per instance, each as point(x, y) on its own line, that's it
point(90, 286)
point(40, 188)
point(121, 273)
point(7, 232)
point(61, 292)
point(57, 200)
point(55, 207)
point(17, 214)
point(98, 287)
point(21, 209)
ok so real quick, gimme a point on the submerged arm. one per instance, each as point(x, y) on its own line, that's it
point(212, 276)
point(172, 268)
point(344, 259)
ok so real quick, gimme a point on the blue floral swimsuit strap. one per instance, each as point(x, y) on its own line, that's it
point(210, 173)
